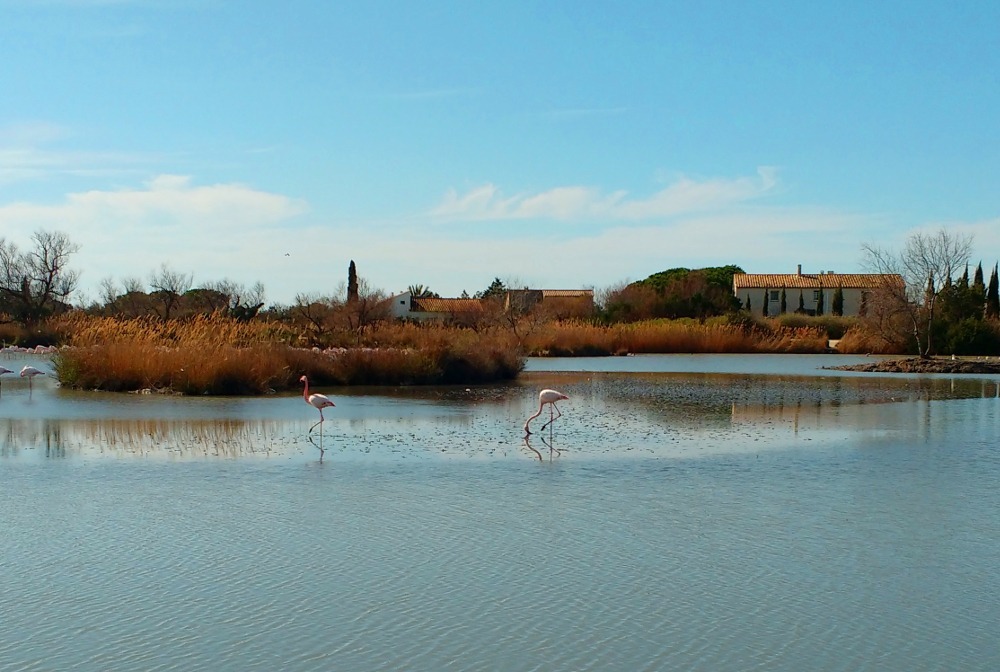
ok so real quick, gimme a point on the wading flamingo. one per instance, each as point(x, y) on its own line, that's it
point(317, 401)
point(549, 397)
point(30, 372)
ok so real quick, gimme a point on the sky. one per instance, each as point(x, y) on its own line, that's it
point(559, 144)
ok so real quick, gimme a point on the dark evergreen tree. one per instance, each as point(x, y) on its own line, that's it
point(819, 302)
point(838, 301)
point(993, 296)
point(766, 298)
point(963, 282)
point(978, 286)
point(784, 302)
point(749, 309)
point(802, 302)
point(352, 283)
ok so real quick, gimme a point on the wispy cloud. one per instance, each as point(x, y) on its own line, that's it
point(685, 195)
point(32, 150)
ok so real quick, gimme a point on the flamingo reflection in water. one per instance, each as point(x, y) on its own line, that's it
point(549, 397)
point(548, 444)
point(322, 451)
point(3, 370)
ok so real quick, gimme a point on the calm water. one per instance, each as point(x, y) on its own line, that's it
point(686, 513)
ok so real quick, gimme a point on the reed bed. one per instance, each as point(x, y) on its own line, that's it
point(215, 355)
point(671, 336)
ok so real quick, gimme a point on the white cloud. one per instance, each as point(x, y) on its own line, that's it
point(487, 203)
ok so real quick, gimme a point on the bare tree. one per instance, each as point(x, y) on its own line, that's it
point(37, 282)
point(368, 307)
point(912, 279)
point(168, 286)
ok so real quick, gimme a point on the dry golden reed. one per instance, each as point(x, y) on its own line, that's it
point(670, 336)
point(216, 355)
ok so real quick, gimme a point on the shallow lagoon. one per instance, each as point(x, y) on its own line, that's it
point(693, 512)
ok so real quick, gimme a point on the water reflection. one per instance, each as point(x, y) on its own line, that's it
point(548, 443)
point(180, 439)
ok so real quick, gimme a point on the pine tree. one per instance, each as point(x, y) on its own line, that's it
point(784, 303)
point(838, 301)
point(352, 283)
point(993, 296)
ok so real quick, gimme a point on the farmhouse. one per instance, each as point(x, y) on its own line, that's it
point(405, 306)
point(757, 290)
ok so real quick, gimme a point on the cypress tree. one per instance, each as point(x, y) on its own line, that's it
point(819, 302)
point(352, 283)
point(978, 286)
point(784, 303)
point(749, 309)
point(993, 295)
point(838, 301)
point(963, 282)
point(766, 298)
point(802, 302)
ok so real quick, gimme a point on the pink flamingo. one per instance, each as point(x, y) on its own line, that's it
point(317, 401)
point(546, 397)
point(30, 372)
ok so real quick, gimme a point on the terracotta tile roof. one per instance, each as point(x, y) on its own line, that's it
point(567, 293)
point(812, 280)
point(446, 306)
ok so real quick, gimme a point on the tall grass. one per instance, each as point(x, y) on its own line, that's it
point(672, 336)
point(215, 355)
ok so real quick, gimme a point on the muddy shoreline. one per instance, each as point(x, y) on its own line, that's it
point(930, 365)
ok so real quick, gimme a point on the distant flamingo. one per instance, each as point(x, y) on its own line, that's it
point(546, 397)
point(30, 372)
point(317, 401)
point(4, 370)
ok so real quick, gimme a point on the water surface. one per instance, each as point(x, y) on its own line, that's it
point(676, 517)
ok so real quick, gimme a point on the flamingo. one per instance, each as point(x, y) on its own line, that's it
point(317, 401)
point(546, 397)
point(3, 370)
point(30, 372)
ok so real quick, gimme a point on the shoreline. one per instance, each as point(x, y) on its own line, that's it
point(921, 365)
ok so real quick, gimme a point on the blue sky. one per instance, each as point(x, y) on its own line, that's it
point(556, 144)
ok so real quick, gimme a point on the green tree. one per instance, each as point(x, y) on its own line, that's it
point(784, 302)
point(766, 299)
point(838, 301)
point(496, 290)
point(802, 303)
point(993, 296)
point(819, 301)
point(352, 283)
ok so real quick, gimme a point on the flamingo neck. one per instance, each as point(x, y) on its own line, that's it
point(305, 390)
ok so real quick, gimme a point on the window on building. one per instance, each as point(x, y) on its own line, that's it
point(815, 295)
point(775, 295)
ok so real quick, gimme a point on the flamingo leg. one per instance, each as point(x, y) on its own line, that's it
point(552, 419)
point(319, 422)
